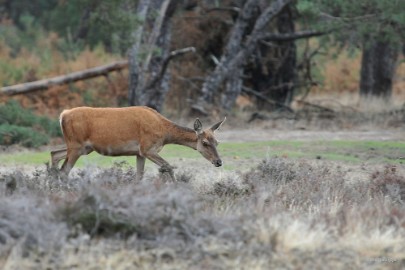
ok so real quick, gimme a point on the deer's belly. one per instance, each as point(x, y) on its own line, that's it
point(126, 149)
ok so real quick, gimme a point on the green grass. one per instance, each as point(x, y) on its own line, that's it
point(345, 151)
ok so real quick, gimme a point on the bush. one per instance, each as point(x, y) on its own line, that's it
point(389, 183)
point(19, 125)
point(93, 217)
point(13, 113)
point(277, 169)
point(229, 188)
point(11, 134)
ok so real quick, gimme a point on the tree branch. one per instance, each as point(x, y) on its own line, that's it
point(329, 17)
point(64, 79)
point(227, 9)
point(264, 98)
point(294, 36)
point(165, 64)
point(269, 13)
point(306, 103)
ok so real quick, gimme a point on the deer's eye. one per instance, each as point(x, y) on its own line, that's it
point(205, 143)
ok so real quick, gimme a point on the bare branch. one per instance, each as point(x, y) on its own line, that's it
point(306, 103)
point(64, 79)
point(165, 64)
point(328, 17)
point(214, 59)
point(294, 36)
point(227, 9)
point(269, 13)
point(264, 98)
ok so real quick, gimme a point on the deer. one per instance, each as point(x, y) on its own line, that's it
point(129, 131)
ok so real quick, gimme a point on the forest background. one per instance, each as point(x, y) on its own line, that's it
point(204, 58)
point(313, 146)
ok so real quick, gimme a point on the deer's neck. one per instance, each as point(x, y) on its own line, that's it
point(182, 136)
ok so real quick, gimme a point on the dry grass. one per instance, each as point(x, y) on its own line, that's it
point(339, 88)
point(280, 214)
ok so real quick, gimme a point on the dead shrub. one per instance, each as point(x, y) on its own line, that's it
point(184, 177)
point(277, 169)
point(94, 216)
point(27, 223)
point(389, 183)
point(229, 188)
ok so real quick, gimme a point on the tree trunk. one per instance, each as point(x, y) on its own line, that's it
point(232, 90)
point(154, 96)
point(148, 82)
point(286, 76)
point(378, 64)
point(214, 80)
point(135, 80)
point(275, 72)
point(236, 50)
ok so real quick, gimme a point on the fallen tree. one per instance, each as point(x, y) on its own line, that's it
point(64, 79)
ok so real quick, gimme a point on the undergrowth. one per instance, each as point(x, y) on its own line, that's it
point(36, 54)
point(389, 183)
point(22, 126)
point(280, 212)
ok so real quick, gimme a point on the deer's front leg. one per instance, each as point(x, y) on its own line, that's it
point(165, 167)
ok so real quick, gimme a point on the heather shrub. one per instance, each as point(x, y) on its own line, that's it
point(94, 215)
point(184, 176)
point(230, 188)
point(314, 219)
point(276, 169)
point(389, 183)
point(270, 173)
point(28, 228)
point(275, 172)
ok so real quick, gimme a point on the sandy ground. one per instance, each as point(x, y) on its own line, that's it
point(257, 134)
point(354, 173)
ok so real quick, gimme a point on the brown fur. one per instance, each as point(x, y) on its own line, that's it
point(139, 131)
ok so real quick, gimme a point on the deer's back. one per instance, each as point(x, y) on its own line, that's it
point(112, 125)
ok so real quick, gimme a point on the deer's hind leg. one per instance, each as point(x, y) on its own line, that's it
point(71, 158)
point(57, 156)
point(140, 167)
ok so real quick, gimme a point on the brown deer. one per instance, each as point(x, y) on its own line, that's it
point(131, 131)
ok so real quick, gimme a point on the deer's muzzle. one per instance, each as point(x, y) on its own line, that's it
point(217, 163)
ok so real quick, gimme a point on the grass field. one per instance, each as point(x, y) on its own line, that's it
point(234, 153)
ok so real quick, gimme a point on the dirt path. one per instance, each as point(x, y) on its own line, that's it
point(246, 135)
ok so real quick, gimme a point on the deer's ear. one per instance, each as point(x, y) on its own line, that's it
point(218, 125)
point(198, 126)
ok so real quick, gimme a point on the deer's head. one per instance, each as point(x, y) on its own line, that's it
point(206, 142)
